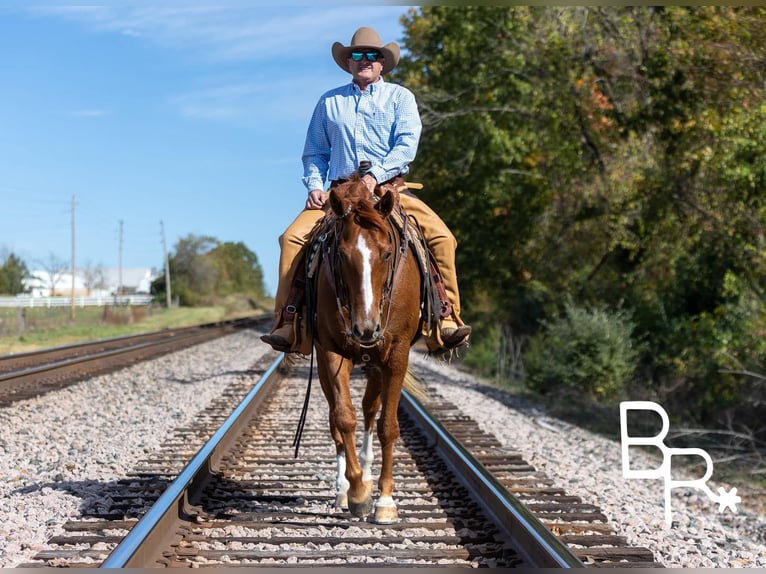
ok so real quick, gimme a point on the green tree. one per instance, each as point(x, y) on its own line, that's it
point(239, 270)
point(613, 155)
point(203, 269)
point(13, 272)
point(585, 351)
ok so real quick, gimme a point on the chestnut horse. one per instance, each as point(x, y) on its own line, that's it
point(367, 311)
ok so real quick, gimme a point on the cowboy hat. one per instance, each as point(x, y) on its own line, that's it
point(365, 39)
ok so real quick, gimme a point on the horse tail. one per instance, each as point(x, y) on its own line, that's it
point(413, 385)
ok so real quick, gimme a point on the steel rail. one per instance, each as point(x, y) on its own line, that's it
point(157, 525)
point(534, 542)
point(64, 363)
point(69, 348)
point(123, 340)
point(156, 529)
point(42, 370)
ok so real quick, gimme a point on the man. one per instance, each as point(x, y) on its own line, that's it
point(366, 120)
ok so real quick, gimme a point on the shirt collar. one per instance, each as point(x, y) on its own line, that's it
point(372, 87)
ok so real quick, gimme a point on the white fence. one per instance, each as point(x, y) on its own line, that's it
point(26, 301)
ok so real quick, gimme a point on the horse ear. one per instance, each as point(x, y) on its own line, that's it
point(386, 203)
point(336, 203)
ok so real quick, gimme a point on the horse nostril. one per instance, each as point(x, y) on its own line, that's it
point(366, 334)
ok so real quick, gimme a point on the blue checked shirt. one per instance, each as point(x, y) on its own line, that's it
point(380, 124)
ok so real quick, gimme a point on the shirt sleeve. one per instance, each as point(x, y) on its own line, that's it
point(316, 150)
point(404, 138)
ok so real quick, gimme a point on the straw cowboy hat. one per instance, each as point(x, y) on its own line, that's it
point(363, 39)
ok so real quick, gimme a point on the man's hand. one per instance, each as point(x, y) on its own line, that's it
point(370, 182)
point(316, 199)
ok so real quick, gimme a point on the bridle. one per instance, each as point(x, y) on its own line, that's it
point(399, 245)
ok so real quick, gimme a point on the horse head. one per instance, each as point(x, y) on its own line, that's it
point(364, 256)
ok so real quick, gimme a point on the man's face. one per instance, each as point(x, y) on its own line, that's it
point(365, 71)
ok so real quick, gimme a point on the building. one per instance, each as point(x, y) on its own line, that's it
point(96, 282)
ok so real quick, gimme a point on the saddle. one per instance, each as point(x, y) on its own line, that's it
point(434, 304)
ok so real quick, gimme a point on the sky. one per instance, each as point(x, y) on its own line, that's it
point(188, 115)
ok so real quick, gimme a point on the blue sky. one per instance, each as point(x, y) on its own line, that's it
point(190, 115)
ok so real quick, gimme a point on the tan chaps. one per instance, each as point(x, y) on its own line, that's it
point(438, 237)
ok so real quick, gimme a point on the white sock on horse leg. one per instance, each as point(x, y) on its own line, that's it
point(385, 501)
point(341, 482)
point(367, 456)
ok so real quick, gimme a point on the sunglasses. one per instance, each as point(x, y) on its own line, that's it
point(371, 56)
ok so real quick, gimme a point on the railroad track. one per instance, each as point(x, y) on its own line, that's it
point(243, 499)
point(26, 375)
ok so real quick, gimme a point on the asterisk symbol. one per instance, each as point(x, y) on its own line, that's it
point(728, 499)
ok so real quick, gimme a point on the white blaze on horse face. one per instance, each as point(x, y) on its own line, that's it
point(366, 254)
point(366, 457)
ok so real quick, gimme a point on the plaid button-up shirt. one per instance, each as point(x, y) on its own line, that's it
point(380, 124)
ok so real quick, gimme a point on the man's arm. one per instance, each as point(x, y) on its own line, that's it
point(316, 151)
point(406, 135)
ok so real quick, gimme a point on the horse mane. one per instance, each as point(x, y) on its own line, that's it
point(362, 205)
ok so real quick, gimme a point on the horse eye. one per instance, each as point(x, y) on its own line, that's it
point(387, 255)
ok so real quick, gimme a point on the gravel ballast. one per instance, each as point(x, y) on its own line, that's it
point(57, 451)
point(590, 466)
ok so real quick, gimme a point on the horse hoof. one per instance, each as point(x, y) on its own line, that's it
point(360, 509)
point(341, 501)
point(386, 515)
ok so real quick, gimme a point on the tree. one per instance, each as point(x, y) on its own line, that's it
point(55, 269)
point(203, 268)
point(239, 270)
point(13, 272)
point(93, 277)
point(610, 154)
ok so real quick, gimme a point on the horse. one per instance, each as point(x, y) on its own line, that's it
point(367, 312)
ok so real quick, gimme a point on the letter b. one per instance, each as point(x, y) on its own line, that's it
point(662, 471)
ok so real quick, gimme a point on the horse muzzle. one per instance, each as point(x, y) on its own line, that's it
point(368, 335)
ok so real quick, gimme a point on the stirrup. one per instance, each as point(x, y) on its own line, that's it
point(456, 336)
point(279, 339)
point(282, 337)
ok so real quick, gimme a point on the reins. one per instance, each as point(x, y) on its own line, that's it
point(311, 282)
point(329, 252)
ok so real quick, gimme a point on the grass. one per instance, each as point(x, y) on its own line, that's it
point(44, 328)
point(734, 464)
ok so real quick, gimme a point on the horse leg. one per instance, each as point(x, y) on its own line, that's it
point(370, 407)
point(341, 483)
point(392, 379)
point(338, 371)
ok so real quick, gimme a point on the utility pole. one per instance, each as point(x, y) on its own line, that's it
point(119, 279)
point(72, 308)
point(168, 298)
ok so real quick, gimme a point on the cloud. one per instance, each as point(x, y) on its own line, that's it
point(233, 32)
point(246, 103)
point(220, 103)
point(283, 51)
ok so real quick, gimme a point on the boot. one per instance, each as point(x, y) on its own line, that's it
point(283, 336)
point(453, 335)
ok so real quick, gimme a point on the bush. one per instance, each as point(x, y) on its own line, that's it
point(585, 351)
